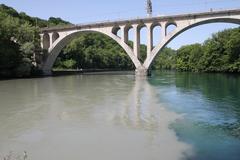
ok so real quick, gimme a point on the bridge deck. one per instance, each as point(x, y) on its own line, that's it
point(137, 20)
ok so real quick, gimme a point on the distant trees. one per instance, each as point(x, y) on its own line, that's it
point(187, 58)
point(220, 53)
point(165, 60)
point(52, 21)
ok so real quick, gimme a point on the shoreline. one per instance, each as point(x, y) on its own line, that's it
point(57, 73)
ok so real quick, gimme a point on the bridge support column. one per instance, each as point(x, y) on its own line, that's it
point(164, 30)
point(51, 40)
point(136, 41)
point(124, 34)
point(149, 39)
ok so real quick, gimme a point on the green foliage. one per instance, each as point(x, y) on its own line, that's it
point(24, 68)
point(166, 60)
point(20, 41)
point(69, 64)
point(52, 21)
point(220, 53)
point(187, 58)
point(94, 51)
point(9, 57)
point(28, 49)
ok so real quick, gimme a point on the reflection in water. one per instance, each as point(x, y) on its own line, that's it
point(87, 117)
point(143, 111)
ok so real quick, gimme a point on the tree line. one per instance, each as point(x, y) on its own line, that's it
point(20, 51)
point(220, 53)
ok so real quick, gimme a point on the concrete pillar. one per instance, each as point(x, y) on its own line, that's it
point(41, 37)
point(51, 39)
point(124, 36)
point(149, 39)
point(164, 30)
point(46, 41)
point(136, 41)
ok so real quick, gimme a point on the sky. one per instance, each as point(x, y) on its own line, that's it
point(85, 11)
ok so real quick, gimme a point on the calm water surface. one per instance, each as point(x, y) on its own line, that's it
point(105, 117)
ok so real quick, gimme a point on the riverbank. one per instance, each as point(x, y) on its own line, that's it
point(92, 72)
point(56, 73)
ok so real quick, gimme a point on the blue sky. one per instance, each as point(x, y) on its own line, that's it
point(83, 11)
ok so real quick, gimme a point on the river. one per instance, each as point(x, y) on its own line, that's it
point(168, 116)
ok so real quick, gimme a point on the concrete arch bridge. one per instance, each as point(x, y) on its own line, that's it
point(53, 40)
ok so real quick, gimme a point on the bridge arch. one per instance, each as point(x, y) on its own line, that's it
point(179, 30)
point(65, 39)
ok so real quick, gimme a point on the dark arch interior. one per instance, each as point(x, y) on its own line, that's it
point(46, 41)
point(55, 36)
point(93, 50)
point(116, 31)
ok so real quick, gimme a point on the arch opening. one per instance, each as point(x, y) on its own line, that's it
point(143, 43)
point(157, 34)
point(55, 36)
point(130, 35)
point(170, 28)
point(88, 50)
point(117, 31)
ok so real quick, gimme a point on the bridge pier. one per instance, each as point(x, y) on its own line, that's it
point(141, 72)
point(47, 72)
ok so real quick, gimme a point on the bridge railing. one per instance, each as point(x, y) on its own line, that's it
point(105, 22)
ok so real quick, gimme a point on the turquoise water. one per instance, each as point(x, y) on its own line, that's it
point(211, 107)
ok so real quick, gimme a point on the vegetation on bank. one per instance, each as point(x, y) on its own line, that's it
point(20, 51)
point(220, 53)
point(20, 42)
